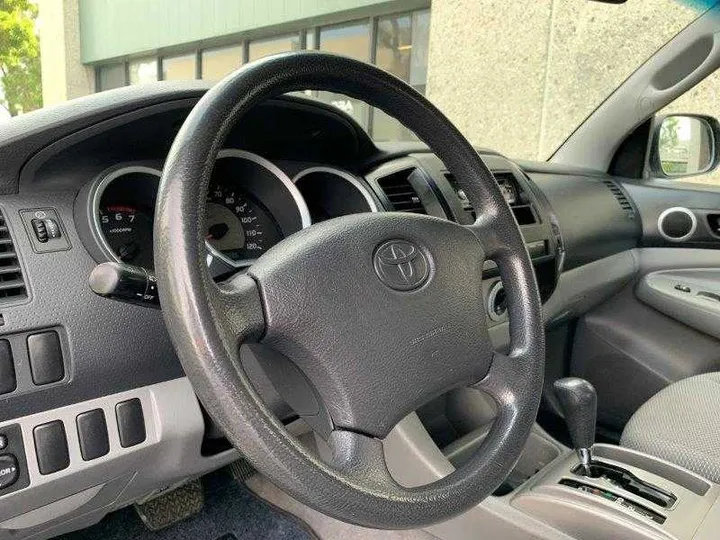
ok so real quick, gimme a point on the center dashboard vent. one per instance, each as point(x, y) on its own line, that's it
point(521, 208)
point(400, 192)
point(12, 284)
point(619, 194)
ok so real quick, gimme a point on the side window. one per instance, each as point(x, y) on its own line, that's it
point(685, 143)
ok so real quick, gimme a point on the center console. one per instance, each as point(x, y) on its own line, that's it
point(607, 491)
point(596, 491)
point(626, 495)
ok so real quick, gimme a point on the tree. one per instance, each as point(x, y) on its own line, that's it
point(669, 133)
point(19, 57)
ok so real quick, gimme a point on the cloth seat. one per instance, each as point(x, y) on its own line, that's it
point(681, 424)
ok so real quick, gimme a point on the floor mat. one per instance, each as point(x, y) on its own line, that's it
point(231, 512)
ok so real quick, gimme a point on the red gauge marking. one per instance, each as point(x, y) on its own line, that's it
point(121, 208)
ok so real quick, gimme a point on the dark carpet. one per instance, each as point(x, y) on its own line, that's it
point(231, 512)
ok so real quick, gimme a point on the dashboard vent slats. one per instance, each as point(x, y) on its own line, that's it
point(12, 284)
point(401, 193)
point(620, 196)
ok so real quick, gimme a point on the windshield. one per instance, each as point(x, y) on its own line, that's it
point(516, 76)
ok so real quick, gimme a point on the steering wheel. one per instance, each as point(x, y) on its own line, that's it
point(378, 313)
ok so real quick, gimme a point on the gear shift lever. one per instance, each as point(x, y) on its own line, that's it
point(579, 404)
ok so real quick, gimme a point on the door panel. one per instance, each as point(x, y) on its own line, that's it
point(651, 334)
point(629, 351)
point(689, 296)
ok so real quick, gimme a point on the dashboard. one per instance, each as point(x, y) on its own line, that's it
point(287, 164)
point(78, 188)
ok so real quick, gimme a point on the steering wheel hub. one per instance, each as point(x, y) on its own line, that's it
point(375, 353)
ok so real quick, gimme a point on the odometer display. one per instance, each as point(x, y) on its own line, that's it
point(237, 225)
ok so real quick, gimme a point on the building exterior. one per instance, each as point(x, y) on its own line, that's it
point(111, 43)
point(515, 75)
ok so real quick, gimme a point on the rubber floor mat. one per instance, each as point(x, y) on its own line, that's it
point(231, 512)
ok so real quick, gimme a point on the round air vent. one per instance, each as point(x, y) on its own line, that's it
point(677, 224)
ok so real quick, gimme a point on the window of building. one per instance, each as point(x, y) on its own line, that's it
point(111, 76)
point(311, 39)
point(265, 47)
point(351, 40)
point(179, 68)
point(143, 70)
point(420, 48)
point(216, 63)
point(393, 47)
point(402, 49)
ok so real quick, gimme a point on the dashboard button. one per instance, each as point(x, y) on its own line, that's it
point(9, 470)
point(8, 382)
point(92, 434)
point(51, 447)
point(130, 422)
point(46, 361)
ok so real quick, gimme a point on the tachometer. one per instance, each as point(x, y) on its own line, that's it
point(122, 204)
point(237, 225)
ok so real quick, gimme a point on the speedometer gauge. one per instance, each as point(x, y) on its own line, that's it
point(237, 225)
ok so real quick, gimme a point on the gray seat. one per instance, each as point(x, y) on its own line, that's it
point(681, 424)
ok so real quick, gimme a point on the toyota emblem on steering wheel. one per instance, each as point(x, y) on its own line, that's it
point(401, 265)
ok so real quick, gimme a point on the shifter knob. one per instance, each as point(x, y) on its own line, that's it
point(579, 404)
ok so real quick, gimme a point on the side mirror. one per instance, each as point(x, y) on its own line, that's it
point(684, 145)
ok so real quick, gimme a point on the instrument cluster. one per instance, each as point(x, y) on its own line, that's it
point(251, 205)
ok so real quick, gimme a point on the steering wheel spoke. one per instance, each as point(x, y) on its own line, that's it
point(361, 458)
point(500, 382)
point(483, 228)
point(237, 309)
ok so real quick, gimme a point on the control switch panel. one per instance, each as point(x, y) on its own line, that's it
point(45, 229)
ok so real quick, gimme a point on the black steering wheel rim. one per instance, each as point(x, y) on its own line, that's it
point(207, 323)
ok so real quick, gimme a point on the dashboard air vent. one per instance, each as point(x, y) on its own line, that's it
point(12, 285)
point(401, 193)
point(620, 196)
point(522, 210)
